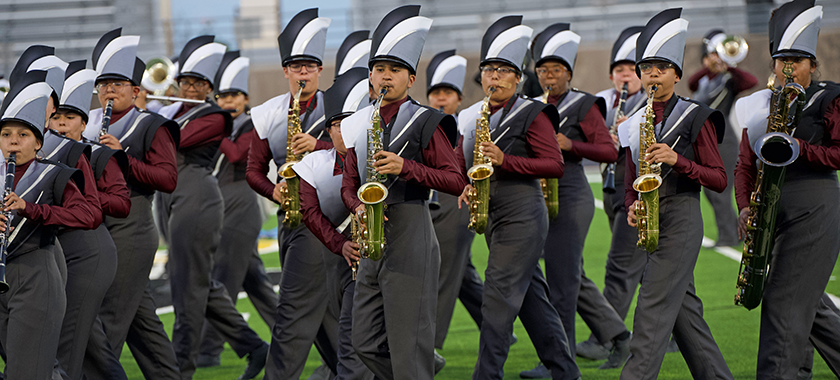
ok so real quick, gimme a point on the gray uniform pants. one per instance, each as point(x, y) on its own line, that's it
point(31, 313)
point(302, 316)
point(91, 264)
point(340, 291)
point(128, 314)
point(514, 284)
point(668, 301)
point(726, 217)
point(625, 265)
point(458, 277)
point(806, 248)
point(396, 297)
point(563, 249)
point(195, 218)
point(237, 263)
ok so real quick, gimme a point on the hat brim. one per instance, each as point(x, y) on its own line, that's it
point(194, 75)
point(442, 85)
point(619, 62)
point(793, 53)
point(298, 58)
point(231, 91)
point(388, 58)
point(116, 77)
point(556, 59)
point(73, 109)
point(502, 61)
point(39, 132)
point(339, 116)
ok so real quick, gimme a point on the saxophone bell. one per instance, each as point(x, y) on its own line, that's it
point(777, 149)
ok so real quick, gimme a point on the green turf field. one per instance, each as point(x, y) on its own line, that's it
point(734, 328)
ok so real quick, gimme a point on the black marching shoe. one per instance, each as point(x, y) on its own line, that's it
point(619, 354)
point(256, 362)
point(207, 361)
point(592, 350)
point(539, 372)
point(440, 362)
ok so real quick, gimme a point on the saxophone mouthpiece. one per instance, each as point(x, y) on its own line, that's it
point(301, 84)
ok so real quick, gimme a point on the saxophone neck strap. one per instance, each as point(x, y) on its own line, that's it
point(668, 109)
point(507, 108)
point(386, 131)
point(309, 106)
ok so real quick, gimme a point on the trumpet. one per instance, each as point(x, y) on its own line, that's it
point(291, 193)
point(371, 223)
point(172, 99)
point(480, 172)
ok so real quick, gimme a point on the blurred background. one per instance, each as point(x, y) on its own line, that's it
point(252, 26)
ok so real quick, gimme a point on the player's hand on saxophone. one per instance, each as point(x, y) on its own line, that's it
point(493, 153)
point(303, 143)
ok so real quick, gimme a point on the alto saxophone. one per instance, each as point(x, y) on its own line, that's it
point(371, 224)
point(549, 185)
point(291, 193)
point(480, 172)
point(775, 150)
point(648, 182)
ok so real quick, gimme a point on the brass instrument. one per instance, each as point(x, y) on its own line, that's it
point(291, 193)
point(775, 150)
point(732, 50)
point(609, 173)
point(647, 183)
point(4, 237)
point(481, 170)
point(371, 223)
point(549, 185)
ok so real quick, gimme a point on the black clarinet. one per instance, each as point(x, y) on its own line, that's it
point(106, 118)
point(609, 172)
point(4, 237)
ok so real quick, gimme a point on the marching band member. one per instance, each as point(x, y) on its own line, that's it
point(582, 135)
point(686, 135)
point(127, 314)
point(91, 255)
point(395, 302)
point(625, 261)
point(806, 242)
point(458, 277)
point(32, 310)
point(302, 309)
point(717, 85)
point(326, 216)
point(193, 218)
point(237, 264)
point(522, 148)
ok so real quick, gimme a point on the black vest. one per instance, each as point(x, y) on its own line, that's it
point(572, 109)
point(101, 154)
point(811, 129)
point(136, 132)
point(718, 92)
point(224, 170)
point(62, 149)
point(680, 132)
point(202, 155)
point(43, 183)
point(409, 133)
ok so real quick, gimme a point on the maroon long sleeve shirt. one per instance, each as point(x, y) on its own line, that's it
point(598, 145)
point(237, 151)
point(822, 156)
point(315, 219)
point(544, 158)
point(439, 170)
point(707, 168)
point(204, 130)
point(91, 194)
point(114, 196)
point(259, 157)
point(741, 80)
point(157, 170)
point(74, 212)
